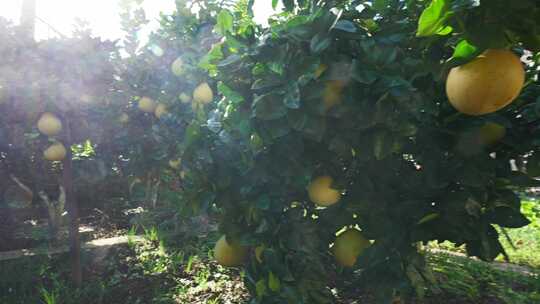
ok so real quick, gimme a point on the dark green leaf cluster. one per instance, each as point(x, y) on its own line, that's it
point(411, 169)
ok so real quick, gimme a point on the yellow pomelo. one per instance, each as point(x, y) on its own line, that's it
point(184, 98)
point(203, 93)
point(123, 118)
point(348, 246)
point(147, 104)
point(491, 133)
point(55, 152)
point(321, 193)
point(229, 254)
point(486, 84)
point(160, 110)
point(332, 93)
point(175, 163)
point(177, 67)
point(49, 124)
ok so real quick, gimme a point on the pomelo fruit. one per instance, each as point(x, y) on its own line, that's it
point(487, 84)
point(49, 124)
point(177, 67)
point(55, 152)
point(147, 104)
point(160, 110)
point(203, 94)
point(348, 246)
point(321, 193)
point(229, 254)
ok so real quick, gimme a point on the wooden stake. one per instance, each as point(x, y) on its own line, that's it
point(72, 209)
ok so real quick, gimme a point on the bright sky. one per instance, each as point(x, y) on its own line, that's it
point(101, 14)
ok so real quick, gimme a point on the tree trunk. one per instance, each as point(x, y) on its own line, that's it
point(72, 209)
point(28, 18)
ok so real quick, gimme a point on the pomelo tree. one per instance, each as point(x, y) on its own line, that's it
point(330, 143)
point(167, 93)
point(335, 121)
point(54, 96)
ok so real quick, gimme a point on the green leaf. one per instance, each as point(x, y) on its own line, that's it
point(273, 282)
point(224, 22)
point(433, 19)
point(292, 98)
point(260, 288)
point(382, 146)
point(361, 74)
point(428, 218)
point(315, 127)
point(193, 132)
point(263, 202)
point(209, 60)
point(380, 5)
point(229, 60)
point(507, 217)
point(319, 43)
point(346, 26)
point(487, 247)
point(231, 95)
point(520, 179)
point(269, 106)
point(288, 4)
point(464, 50)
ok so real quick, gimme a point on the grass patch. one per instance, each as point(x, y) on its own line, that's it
point(472, 281)
point(162, 270)
point(179, 269)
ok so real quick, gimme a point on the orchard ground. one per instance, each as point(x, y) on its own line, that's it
point(178, 267)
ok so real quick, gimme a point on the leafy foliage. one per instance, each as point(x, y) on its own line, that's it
point(349, 89)
point(394, 146)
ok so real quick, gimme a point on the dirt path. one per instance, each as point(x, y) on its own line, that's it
point(95, 244)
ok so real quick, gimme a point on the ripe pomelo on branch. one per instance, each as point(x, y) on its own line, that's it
point(321, 192)
point(147, 104)
point(48, 124)
point(229, 255)
point(203, 94)
point(177, 67)
point(55, 152)
point(487, 84)
point(348, 246)
point(160, 110)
